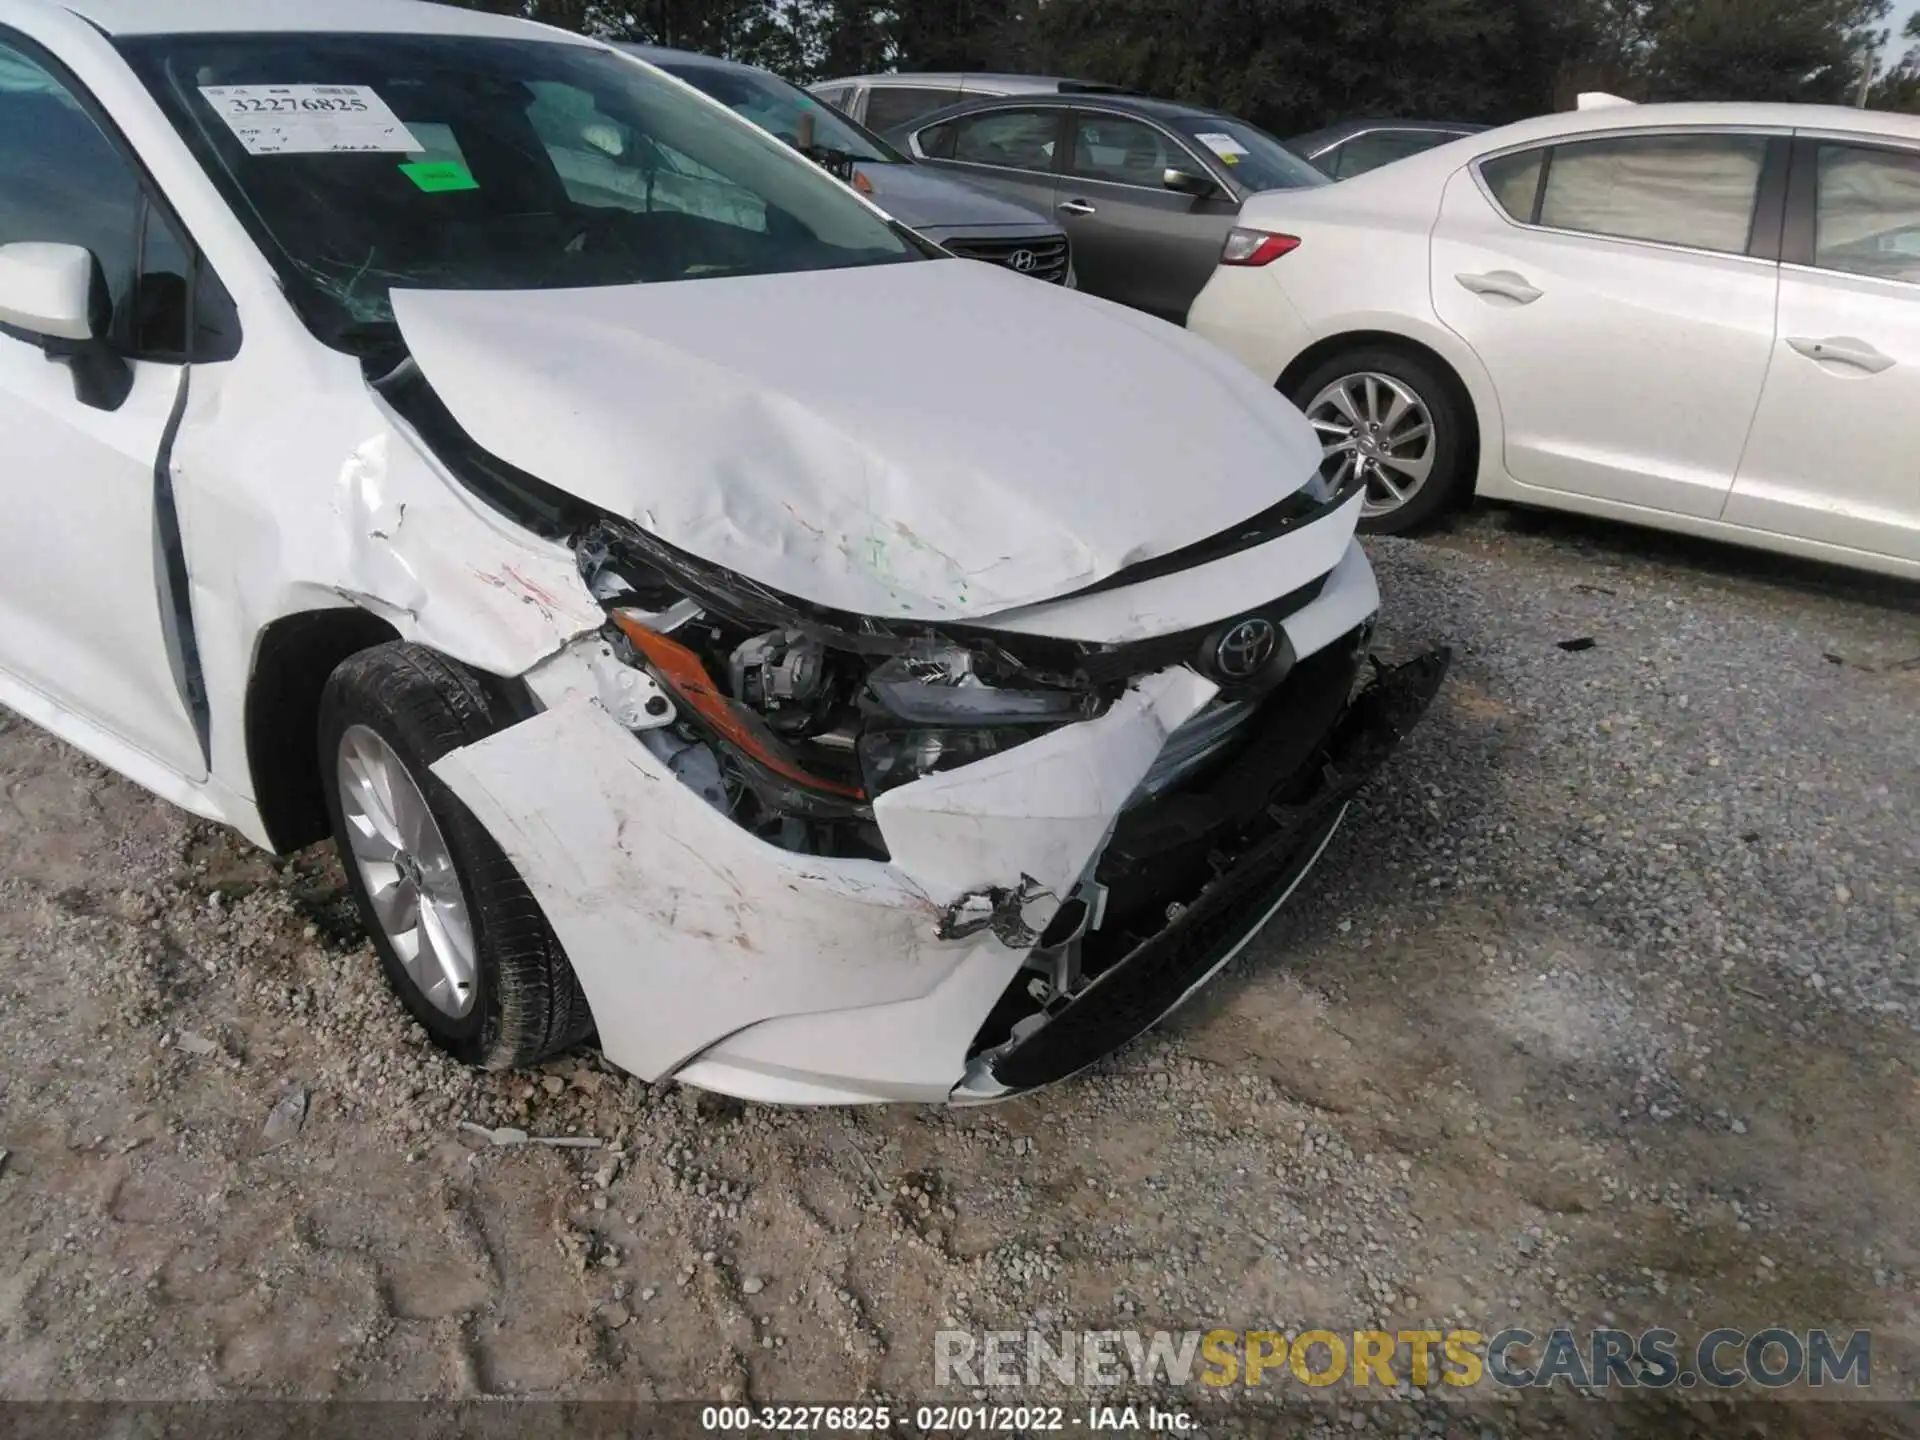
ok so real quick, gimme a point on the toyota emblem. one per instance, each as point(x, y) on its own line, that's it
point(1023, 260)
point(1245, 649)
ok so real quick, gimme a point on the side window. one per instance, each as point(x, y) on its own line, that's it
point(1514, 181)
point(1866, 217)
point(158, 326)
point(891, 105)
point(62, 180)
point(1010, 139)
point(835, 95)
point(936, 141)
point(1131, 152)
point(1696, 190)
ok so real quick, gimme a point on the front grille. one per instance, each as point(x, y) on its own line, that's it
point(1049, 255)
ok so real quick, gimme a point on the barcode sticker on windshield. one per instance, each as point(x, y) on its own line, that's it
point(1225, 146)
point(309, 119)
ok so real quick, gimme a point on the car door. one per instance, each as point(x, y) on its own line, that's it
point(1008, 150)
point(92, 598)
point(1835, 450)
point(1620, 292)
point(1134, 239)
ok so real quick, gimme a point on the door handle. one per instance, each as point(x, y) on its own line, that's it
point(1842, 350)
point(1074, 207)
point(1504, 283)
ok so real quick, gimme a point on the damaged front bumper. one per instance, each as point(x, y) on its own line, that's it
point(713, 957)
point(1253, 847)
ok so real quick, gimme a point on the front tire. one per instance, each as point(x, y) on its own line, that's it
point(460, 937)
point(1392, 419)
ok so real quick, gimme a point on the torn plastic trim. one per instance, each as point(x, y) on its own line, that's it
point(1016, 915)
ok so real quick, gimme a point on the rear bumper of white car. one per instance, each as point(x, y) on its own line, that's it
point(1245, 311)
point(714, 957)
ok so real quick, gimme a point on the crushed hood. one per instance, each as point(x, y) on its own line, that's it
point(935, 440)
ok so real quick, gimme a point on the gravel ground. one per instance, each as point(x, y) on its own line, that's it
point(1601, 1009)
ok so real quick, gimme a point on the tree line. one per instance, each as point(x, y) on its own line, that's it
point(1291, 65)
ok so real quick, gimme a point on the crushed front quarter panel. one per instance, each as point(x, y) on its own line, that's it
point(684, 929)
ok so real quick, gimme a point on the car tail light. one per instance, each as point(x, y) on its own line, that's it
point(1256, 247)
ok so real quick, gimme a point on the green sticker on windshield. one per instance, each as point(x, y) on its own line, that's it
point(432, 175)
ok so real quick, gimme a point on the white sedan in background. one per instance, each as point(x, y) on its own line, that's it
point(1700, 317)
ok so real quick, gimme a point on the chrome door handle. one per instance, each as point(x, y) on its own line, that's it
point(1842, 350)
point(1074, 207)
point(1504, 283)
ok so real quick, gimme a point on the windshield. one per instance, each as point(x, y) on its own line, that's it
point(1254, 158)
point(804, 121)
point(368, 162)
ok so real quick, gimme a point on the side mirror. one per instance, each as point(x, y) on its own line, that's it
point(52, 296)
point(1185, 182)
point(47, 290)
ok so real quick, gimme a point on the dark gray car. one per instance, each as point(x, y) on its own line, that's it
point(959, 217)
point(1146, 189)
point(1354, 147)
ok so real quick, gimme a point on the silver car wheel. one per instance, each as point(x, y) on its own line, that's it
point(1374, 428)
point(407, 870)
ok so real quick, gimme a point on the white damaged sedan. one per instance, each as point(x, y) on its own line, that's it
point(702, 612)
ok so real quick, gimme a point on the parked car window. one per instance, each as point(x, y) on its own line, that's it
point(936, 141)
point(1867, 212)
point(1011, 139)
point(1379, 147)
point(835, 95)
point(1514, 181)
point(1255, 159)
point(891, 105)
point(1131, 152)
point(784, 109)
point(61, 179)
point(575, 168)
point(1695, 190)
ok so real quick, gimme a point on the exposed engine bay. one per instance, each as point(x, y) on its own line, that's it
point(791, 722)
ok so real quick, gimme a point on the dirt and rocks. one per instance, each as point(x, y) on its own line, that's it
point(1602, 1009)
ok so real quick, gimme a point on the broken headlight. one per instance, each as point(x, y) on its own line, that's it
point(806, 715)
point(952, 717)
point(897, 757)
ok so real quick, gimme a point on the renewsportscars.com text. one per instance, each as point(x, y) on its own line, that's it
point(1513, 1358)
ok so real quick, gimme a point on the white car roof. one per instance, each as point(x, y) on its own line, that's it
point(1640, 117)
point(176, 17)
point(1413, 182)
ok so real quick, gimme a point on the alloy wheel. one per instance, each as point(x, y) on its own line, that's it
point(1374, 428)
point(408, 871)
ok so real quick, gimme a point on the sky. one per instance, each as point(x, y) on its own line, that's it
point(1896, 22)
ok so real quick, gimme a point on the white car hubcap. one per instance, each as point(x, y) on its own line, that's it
point(1374, 429)
point(408, 871)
